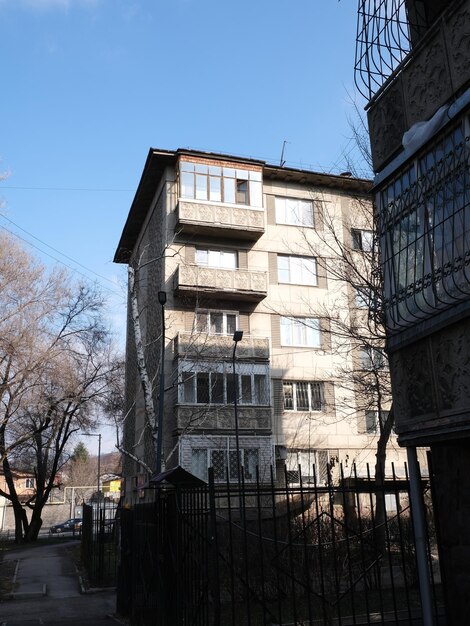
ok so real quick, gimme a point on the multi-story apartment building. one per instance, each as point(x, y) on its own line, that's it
point(413, 65)
point(238, 244)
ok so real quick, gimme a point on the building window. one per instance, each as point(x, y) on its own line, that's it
point(215, 183)
point(362, 240)
point(372, 358)
point(214, 383)
point(372, 421)
point(223, 461)
point(300, 331)
point(216, 322)
point(217, 258)
point(363, 299)
point(307, 464)
point(303, 396)
point(296, 270)
point(294, 211)
point(29, 483)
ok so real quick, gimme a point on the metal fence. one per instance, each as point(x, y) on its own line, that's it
point(100, 545)
point(338, 553)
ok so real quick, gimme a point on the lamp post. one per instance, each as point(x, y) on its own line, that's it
point(237, 336)
point(99, 457)
point(162, 301)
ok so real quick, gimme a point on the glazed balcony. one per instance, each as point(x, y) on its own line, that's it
point(236, 284)
point(193, 344)
point(219, 220)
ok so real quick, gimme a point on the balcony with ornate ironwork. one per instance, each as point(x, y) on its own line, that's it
point(411, 58)
point(230, 284)
point(224, 220)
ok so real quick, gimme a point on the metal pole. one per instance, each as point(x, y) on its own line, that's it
point(236, 337)
point(99, 464)
point(162, 301)
point(419, 527)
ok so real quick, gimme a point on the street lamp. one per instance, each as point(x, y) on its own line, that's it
point(99, 456)
point(237, 336)
point(162, 301)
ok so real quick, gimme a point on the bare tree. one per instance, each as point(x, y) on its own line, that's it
point(56, 362)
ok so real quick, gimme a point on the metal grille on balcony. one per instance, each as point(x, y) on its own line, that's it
point(424, 225)
point(385, 31)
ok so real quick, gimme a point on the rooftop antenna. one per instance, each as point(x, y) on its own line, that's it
point(282, 162)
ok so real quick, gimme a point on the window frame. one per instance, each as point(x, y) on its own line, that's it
point(310, 396)
point(192, 372)
point(221, 184)
point(283, 215)
point(372, 359)
point(220, 252)
point(229, 455)
point(291, 260)
point(358, 240)
point(298, 327)
point(372, 421)
point(225, 314)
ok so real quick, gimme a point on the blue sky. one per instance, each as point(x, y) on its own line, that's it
point(89, 85)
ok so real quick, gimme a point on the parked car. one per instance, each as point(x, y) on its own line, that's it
point(70, 526)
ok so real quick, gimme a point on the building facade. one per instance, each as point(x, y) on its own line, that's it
point(238, 244)
point(413, 65)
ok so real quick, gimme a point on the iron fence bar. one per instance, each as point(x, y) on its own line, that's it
point(242, 497)
point(276, 545)
point(348, 547)
point(289, 532)
point(365, 568)
point(214, 551)
point(381, 493)
point(435, 523)
point(306, 558)
point(230, 533)
point(320, 546)
point(378, 554)
point(401, 542)
point(261, 545)
point(333, 541)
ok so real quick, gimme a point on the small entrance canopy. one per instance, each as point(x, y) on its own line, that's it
point(178, 477)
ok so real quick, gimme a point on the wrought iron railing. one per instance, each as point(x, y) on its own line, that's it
point(384, 38)
point(424, 230)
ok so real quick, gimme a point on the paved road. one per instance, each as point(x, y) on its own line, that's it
point(48, 592)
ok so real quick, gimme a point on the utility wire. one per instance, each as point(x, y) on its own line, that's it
point(73, 269)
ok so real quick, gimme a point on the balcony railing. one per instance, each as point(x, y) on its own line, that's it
point(221, 418)
point(194, 344)
point(408, 65)
point(221, 219)
point(232, 284)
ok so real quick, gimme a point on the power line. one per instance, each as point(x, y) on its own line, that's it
point(63, 188)
point(73, 269)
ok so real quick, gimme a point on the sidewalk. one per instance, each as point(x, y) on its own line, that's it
point(47, 591)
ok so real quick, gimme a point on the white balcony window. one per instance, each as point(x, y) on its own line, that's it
point(213, 383)
point(229, 185)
